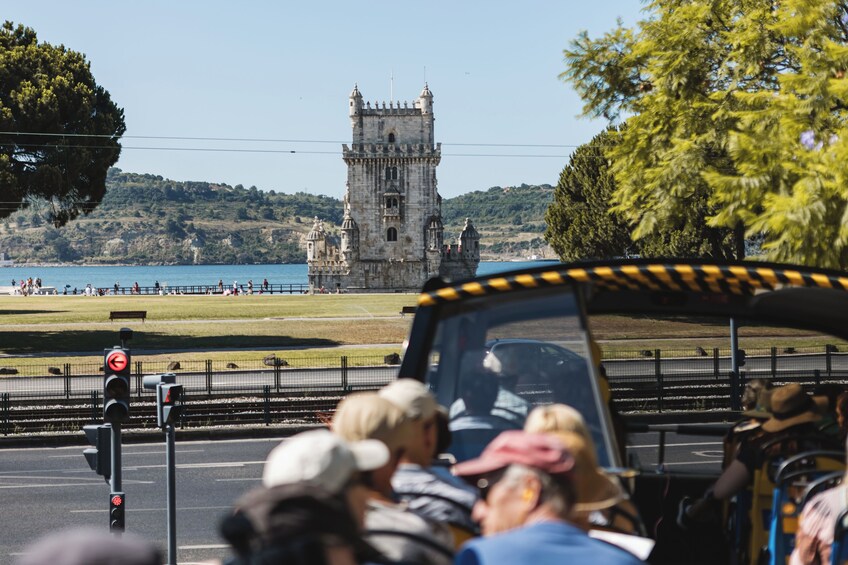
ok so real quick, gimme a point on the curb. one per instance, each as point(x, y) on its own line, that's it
point(151, 436)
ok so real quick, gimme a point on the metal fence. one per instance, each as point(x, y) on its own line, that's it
point(41, 396)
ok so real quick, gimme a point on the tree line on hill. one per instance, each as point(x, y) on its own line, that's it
point(148, 219)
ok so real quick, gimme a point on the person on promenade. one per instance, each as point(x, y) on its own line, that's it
point(221, 285)
point(87, 546)
point(431, 495)
point(527, 496)
point(265, 284)
point(399, 533)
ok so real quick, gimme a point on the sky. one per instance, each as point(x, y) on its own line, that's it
point(265, 78)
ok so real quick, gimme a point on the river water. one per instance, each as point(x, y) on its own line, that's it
point(187, 275)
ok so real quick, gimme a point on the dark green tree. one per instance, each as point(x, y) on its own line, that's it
point(584, 224)
point(580, 224)
point(59, 130)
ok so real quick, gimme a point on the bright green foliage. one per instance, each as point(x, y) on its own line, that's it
point(735, 109)
point(50, 90)
point(581, 224)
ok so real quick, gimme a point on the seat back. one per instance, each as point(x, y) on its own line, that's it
point(774, 452)
point(823, 483)
point(793, 477)
point(839, 549)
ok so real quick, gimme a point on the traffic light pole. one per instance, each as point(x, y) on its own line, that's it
point(115, 479)
point(171, 467)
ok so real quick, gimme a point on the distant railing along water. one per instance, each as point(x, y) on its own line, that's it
point(192, 289)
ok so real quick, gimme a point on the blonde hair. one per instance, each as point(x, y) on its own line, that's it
point(556, 418)
point(367, 415)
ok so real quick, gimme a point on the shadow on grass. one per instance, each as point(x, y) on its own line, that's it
point(49, 342)
point(26, 312)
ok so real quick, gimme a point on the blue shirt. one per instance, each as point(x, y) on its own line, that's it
point(540, 544)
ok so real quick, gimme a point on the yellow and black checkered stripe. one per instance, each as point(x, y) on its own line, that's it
point(737, 279)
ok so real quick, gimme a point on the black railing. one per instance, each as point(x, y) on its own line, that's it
point(192, 289)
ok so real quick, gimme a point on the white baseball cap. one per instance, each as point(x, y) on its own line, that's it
point(322, 458)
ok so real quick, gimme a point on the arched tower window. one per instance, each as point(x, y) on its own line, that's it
point(391, 138)
point(391, 234)
point(391, 173)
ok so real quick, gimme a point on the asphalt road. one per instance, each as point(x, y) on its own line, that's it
point(45, 489)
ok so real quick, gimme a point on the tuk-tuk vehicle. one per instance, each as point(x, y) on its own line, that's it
point(531, 332)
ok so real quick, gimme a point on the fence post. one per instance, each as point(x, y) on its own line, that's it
point(659, 375)
point(267, 393)
point(817, 376)
point(735, 401)
point(6, 411)
point(828, 349)
point(94, 406)
point(209, 377)
point(277, 370)
point(773, 362)
point(66, 370)
point(716, 364)
point(138, 372)
point(344, 373)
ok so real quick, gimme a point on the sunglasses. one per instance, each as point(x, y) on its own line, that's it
point(486, 482)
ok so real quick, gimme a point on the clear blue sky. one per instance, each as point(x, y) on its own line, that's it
point(283, 71)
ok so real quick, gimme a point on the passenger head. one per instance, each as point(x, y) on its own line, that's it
point(419, 407)
point(828, 393)
point(85, 546)
point(479, 390)
point(790, 406)
point(842, 413)
point(505, 364)
point(556, 418)
point(522, 477)
point(325, 460)
point(753, 397)
point(366, 415)
point(296, 523)
point(595, 489)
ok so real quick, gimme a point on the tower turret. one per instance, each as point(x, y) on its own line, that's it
point(355, 101)
point(350, 238)
point(425, 100)
point(469, 242)
point(315, 240)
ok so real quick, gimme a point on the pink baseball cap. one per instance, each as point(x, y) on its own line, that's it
point(539, 451)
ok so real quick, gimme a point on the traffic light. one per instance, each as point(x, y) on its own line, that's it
point(116, 385)
point(99, 457)
point(167, 403)
point(116, 512)
point(740, 357)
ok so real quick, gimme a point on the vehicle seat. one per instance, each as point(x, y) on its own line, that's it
point(793, 477)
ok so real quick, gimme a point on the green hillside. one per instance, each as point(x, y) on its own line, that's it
point(147, 219)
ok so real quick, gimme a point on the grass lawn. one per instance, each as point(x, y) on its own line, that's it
point(246, 328)
point(203, 325)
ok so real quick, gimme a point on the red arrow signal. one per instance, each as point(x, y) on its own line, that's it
point(117, 361)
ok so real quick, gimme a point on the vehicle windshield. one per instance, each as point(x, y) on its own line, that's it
point(493, 361)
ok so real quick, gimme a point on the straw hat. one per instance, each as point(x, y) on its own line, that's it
point(790, 406)
point(595, 489)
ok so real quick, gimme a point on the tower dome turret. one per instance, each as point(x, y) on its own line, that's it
point(425, 100)
point(355, 101)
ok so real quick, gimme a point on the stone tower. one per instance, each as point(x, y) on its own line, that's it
point(392, 234)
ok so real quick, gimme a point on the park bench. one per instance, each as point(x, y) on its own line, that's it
point(128, 314)
point(407, 310)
